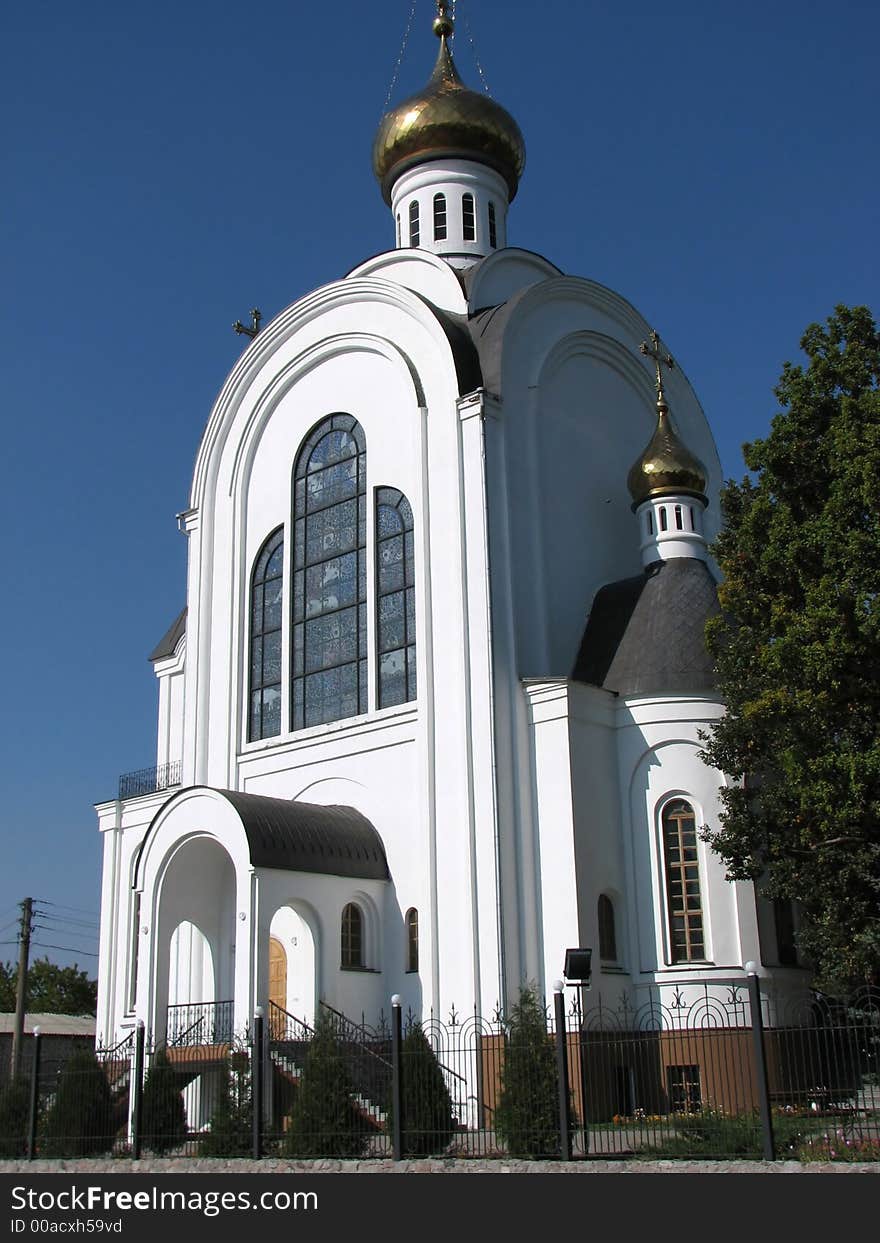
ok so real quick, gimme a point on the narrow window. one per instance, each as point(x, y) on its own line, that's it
point(398, 230)
point(439, 217)
point(679, 526)
point(468, 218)
point(607, 934)
point(650, 523)
point(395, 598)
point(352, 955)
point(684, 903)
point(662, 517)
point(329, 649)
point(412, 939)
point(683, 1088)
point(693, 527)
point(414, 223)
point(493, 233)
point(265, 649)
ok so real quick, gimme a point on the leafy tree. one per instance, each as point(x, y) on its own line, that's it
point(15, 1103)
point(80, 1118)
point(231, 1129)
point(428, 1123)
point(325, 1120)
point(797, 651)
point(527, 1117)
point(163, 1112)
point(50, 989)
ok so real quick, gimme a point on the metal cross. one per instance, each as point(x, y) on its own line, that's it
point(654, 352)
point(251, 332)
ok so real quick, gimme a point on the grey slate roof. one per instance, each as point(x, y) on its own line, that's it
point(50, 1024)
point(170, 639)
point(644, 635)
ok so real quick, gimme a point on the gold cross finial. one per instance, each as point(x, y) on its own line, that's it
point(660, 359)
point(251, 332)
point(443, 23)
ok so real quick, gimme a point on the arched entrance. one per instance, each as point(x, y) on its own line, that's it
point(292, 976)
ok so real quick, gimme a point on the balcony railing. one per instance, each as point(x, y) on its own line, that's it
point(204, 1022)
point(149, 780)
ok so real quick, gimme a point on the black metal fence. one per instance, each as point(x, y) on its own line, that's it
point(149, 780)
point(720, 1073)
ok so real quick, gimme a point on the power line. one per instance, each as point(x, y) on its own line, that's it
point(68, 949)
point(80, 910)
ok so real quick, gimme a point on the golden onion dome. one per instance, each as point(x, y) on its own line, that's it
point(667, 466)
point(446, 120)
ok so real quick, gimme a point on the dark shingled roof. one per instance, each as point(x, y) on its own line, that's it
point(644, 635)
point(167, 645)
point(304, 837)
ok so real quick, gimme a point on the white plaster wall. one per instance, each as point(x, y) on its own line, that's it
point(453, 178)
point(169, 673)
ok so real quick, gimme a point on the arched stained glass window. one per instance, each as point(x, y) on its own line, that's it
point(414, 223)
point(265, 651)
point(352, 935)
point(607, 932)
point(468, 218)
point(412, 939)
point(439, 217)
point(395, 598)
point(329, 650)
point(684, 903)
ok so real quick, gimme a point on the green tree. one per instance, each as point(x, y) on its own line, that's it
point(231, 1129)
point(527, 1117)
point(15, 1098)
point(50, 989)
point(325, 1120)
point(797, 651)
point(428, 1123)
point(163, 1112)
point(80, 1119)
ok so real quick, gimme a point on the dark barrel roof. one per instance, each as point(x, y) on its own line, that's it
point(305, 837)
point(644, 635)
point(167, 645)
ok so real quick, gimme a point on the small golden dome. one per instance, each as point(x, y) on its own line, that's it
point(446, 120)
point(667, 466)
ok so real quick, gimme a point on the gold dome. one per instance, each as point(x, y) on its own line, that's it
point(667, 466)
point(446, 120)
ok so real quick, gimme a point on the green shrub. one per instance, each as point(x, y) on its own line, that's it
point(325, 1120)
point(163, 1113)
point(527, 1117)
point(80, 1119)
point(231, 1128)
point(15, 1105)
point(428, 1123)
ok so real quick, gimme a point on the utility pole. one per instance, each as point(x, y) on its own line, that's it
point(24, 953)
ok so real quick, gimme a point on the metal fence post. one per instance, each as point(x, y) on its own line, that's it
point(396, 1080)
point(138, 1090)
point(760, 1061)
point(562, 1072)
point(257, 1082)
point(35, 1097)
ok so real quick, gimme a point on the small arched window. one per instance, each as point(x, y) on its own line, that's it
point(607, 934)
point(329, 650)
point(264, 718)
point(439, 217)
point(493, 231)
point(683, 898)
point(352, 938)
point(468, 218)
point(412, 939)
point(663, 520)
point(398, 230)
point(395, 598)
point(414, 223)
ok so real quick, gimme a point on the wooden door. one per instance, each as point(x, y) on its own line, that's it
point(277, 973)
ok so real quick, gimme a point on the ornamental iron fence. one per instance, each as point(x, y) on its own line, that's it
point(149, 780)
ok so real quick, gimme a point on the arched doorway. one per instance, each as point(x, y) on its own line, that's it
point(277, 973)
point(292, 977)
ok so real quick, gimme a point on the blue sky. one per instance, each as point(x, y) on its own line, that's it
point(169, 166)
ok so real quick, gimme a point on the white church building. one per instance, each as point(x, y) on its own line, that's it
point(431, 715)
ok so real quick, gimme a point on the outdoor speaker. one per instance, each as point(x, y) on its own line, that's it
point(577, 965)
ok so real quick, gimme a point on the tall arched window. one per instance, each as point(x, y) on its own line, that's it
point(684, 903)
point(493, 228)
point(607, 933)
point(395, 598)
point(414, 223)
point(468, 218)
point(329, 651)
point(412, 939)
point(439, 217)
point(267, 579)
point(352, 937)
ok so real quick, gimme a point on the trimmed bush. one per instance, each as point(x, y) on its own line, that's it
point(163, 1112)
point(325, 1120)
point(80, 1119)
point(231, 1129)
point(428, 1123)
point(527, 1117)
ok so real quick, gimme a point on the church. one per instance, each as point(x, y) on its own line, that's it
point(431, 715)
